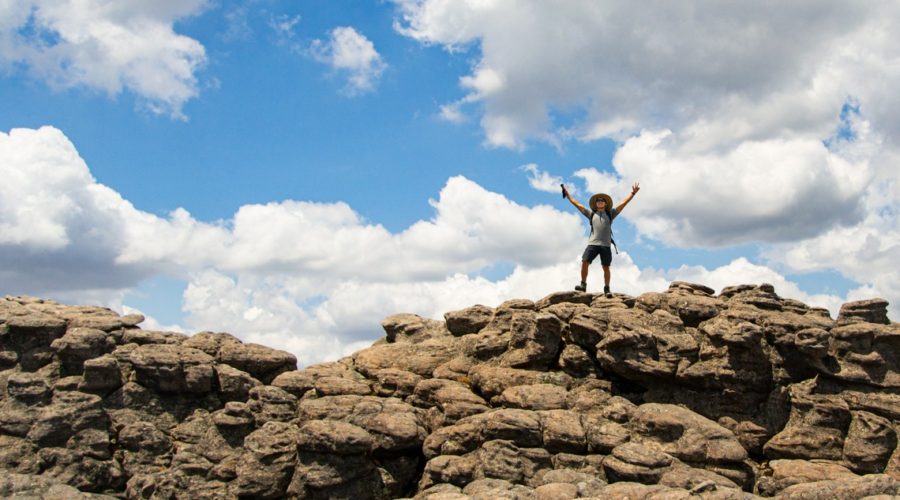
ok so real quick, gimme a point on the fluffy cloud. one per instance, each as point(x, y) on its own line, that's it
point(288, 274)
point(471, 229)
point(810, 205)
point(273, 270)
point(55, 210)
point(711, 101)
point(108, 46)
point(60, 229)
point(284, 311)
point(348, 51)
point(452, 113)
point(742, 127)
point(733, 71)
point(540, 179)
point(867, 252)
point(761, 191)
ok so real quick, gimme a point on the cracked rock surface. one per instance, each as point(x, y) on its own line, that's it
point(674, 394)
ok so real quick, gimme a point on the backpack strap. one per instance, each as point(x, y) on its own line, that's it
point(613, 241)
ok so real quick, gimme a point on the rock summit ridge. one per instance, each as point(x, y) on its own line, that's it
point(676, 394)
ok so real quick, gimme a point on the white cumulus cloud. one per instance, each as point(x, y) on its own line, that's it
point(759, 192)
point(290, 274)
point(722, 71)
point(350, 52)
point(106, 46)
point(54, 209)
point(288, 314)
point(541, 179)
point(743, 127)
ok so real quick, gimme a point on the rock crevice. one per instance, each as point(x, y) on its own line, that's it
point(675, 394)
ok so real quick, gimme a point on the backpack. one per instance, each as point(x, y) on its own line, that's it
point(611, 239)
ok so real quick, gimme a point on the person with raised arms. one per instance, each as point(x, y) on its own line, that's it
point(601, 214)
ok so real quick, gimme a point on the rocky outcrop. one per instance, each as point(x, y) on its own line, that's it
point(675, 394)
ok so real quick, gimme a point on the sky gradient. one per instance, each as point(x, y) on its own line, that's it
point(292, 172)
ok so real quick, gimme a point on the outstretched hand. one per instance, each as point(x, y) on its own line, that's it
point(634, 189)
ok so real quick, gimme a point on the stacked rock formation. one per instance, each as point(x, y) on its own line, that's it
point(681, 394)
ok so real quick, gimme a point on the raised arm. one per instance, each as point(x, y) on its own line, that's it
point(573, 201)
point(634, 189)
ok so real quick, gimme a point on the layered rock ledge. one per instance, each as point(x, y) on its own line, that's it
point(679, 394)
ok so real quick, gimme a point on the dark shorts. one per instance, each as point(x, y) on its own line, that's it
point(592, 251)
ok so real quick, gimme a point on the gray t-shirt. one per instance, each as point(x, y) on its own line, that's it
point(602, 233)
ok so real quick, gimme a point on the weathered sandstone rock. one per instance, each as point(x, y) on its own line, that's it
point(674, 394)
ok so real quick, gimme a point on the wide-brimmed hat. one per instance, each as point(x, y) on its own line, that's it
point(599, 196)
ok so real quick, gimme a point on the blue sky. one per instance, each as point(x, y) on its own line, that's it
point(292, 172)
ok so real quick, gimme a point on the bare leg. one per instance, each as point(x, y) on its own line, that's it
point(584, 271)
point(605, 275)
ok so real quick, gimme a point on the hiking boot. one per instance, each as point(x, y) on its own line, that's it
point(581, 288)
point(607, 292)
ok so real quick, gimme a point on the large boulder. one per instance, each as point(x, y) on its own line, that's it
point(871, 486)
point(261, 362)
point(26, 486)
point(27, 335)
point(731, 356)
point(534, 343)
point(173, 368)
point(692, 303)
point(79, 345)
point(534, 397)
point(634, 462)
point(469, 320)
point(645, 347)
point(101, 375)
point(271, 404)
point(686, 435)
point(420, 358)
point(412, 329)
point(864, 353)
point(864, 311)
point(267, 465)
point(490, 381)
point(782, 473)
point(446, 401)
